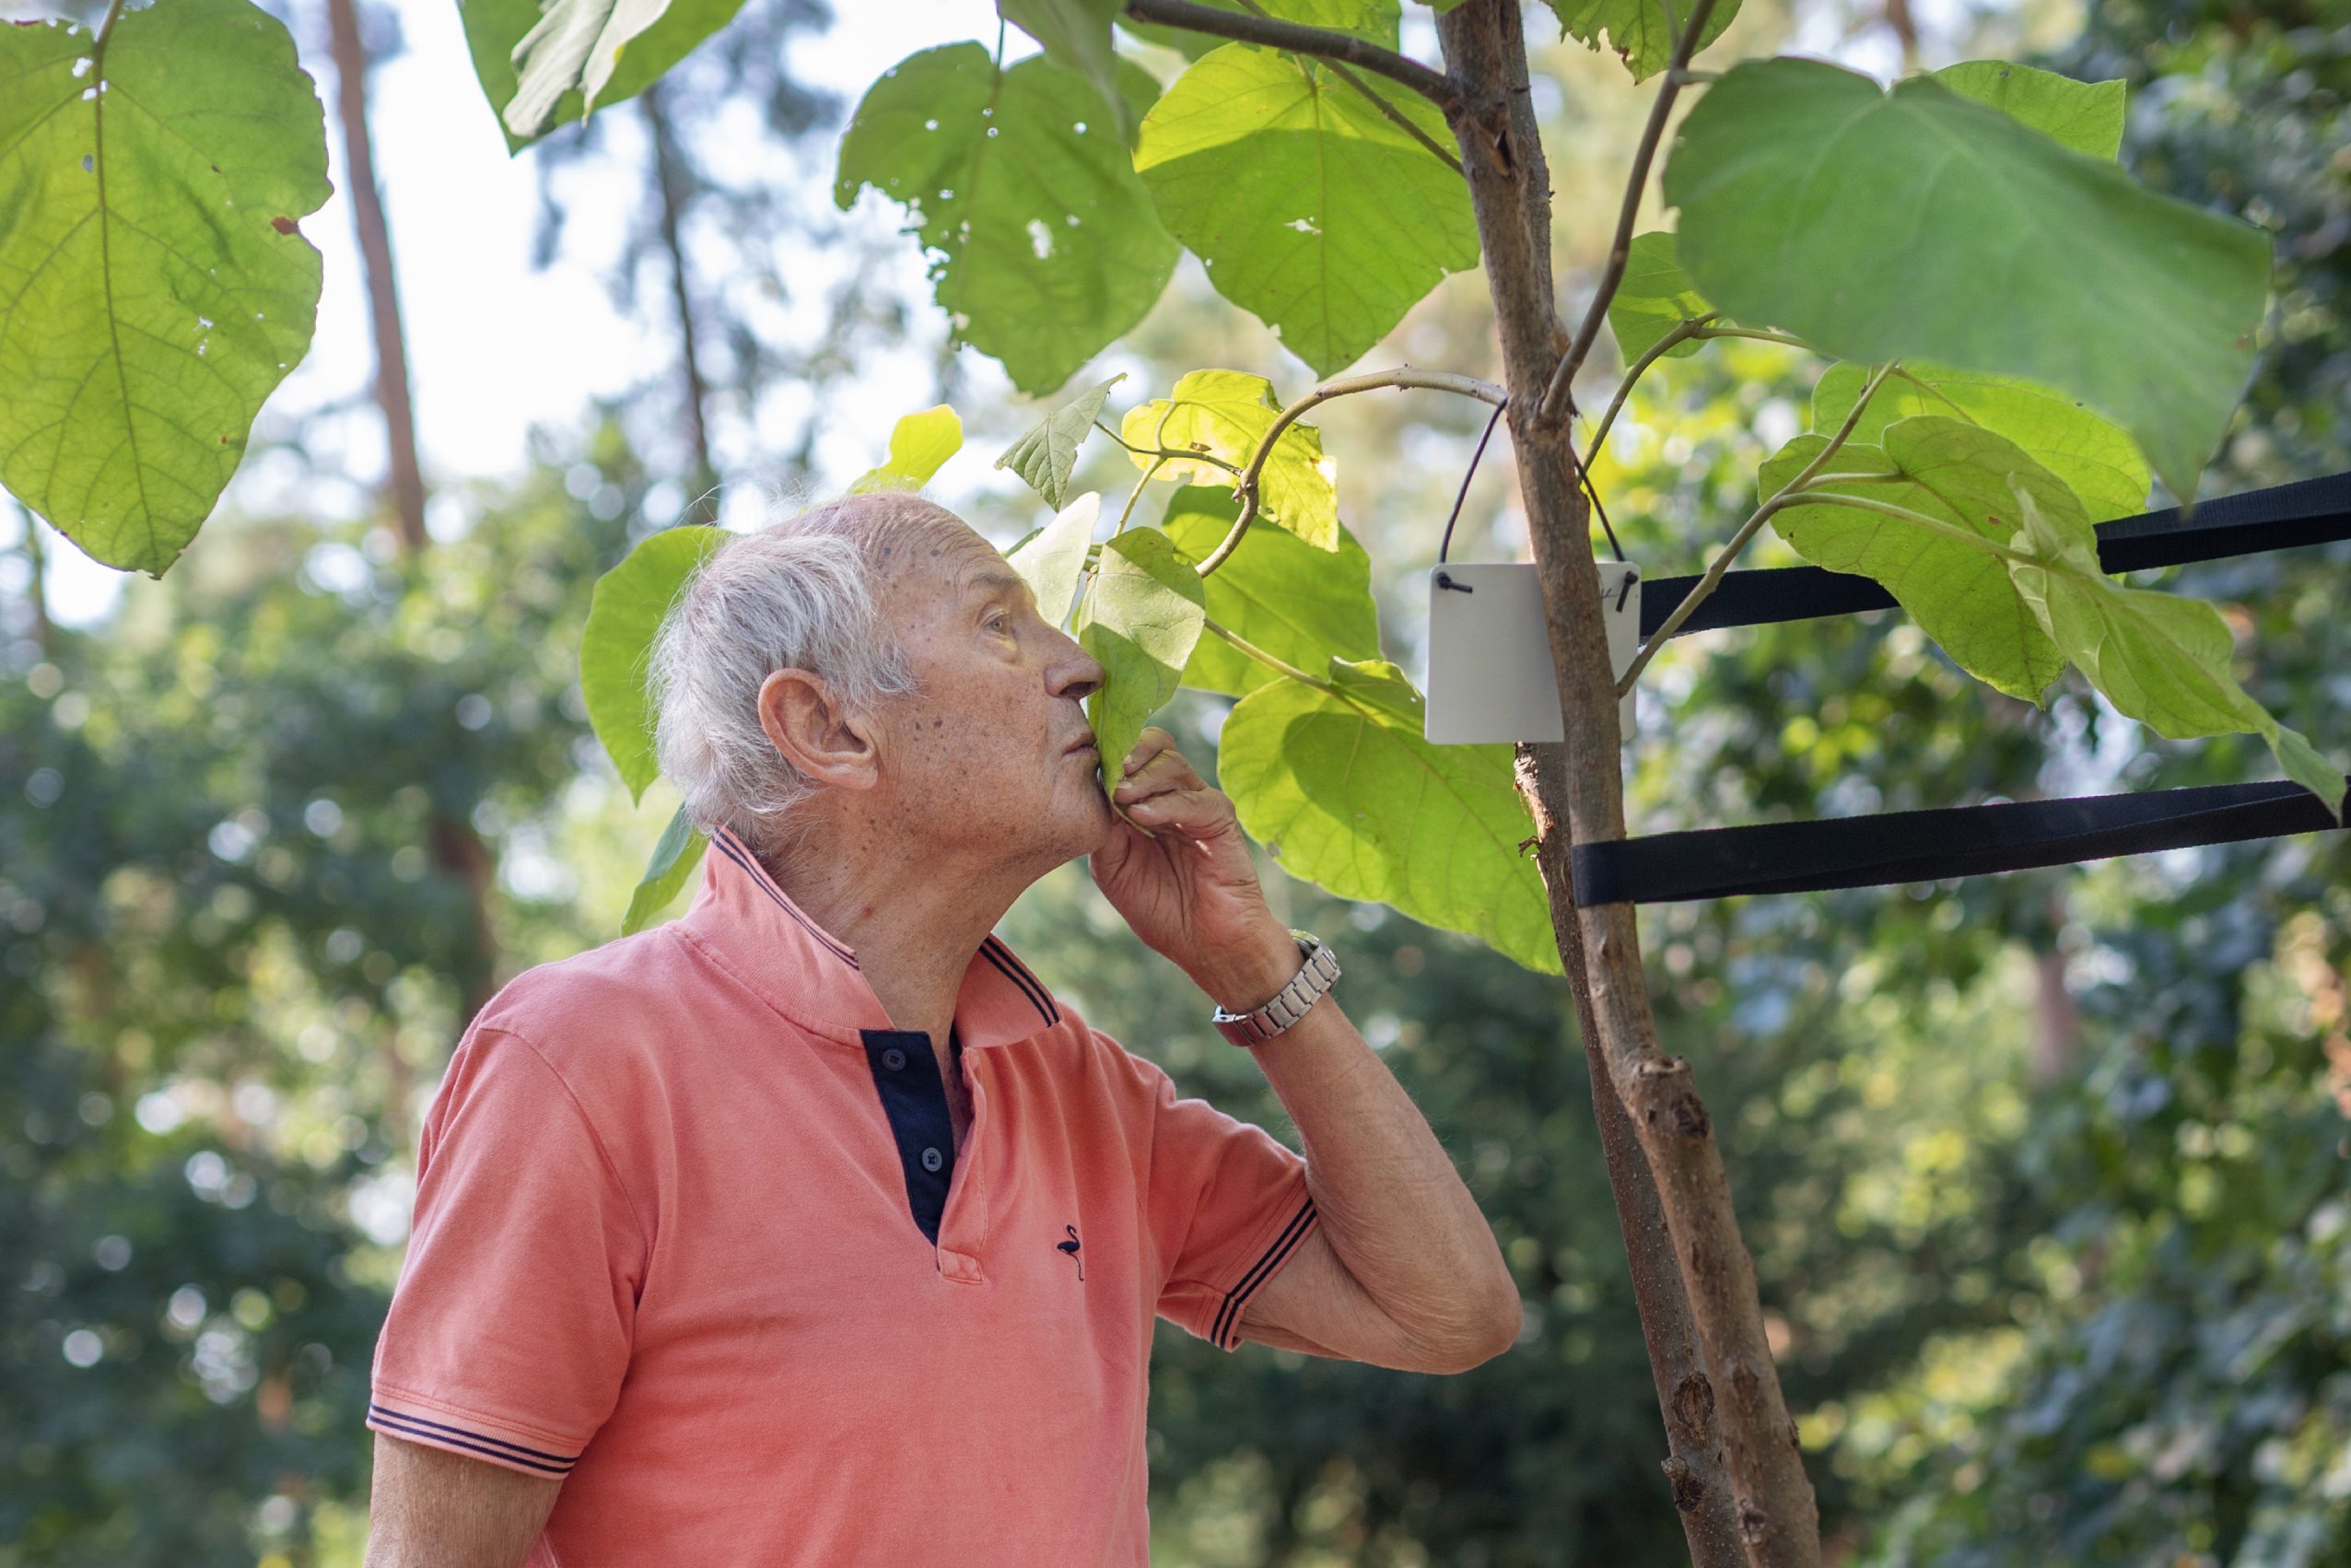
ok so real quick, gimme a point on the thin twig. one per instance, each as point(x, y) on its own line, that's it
point(1271, 661)
point(1621, 250)
point(1683, 332)
point(1747, 530)
point(1245, 486)
point(1323, 43)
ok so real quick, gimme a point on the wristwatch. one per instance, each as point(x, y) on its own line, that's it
point(1315, 977)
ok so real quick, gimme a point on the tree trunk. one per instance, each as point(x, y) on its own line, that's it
point(1501, 155)
point(670, 185)
point(408, 482)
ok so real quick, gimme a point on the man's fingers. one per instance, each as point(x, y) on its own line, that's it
point(1151, 743)
point(1200, 810)
point(1165, 769)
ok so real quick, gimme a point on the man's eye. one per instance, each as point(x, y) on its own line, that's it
point(999, 620)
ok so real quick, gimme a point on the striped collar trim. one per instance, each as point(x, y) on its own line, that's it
point(753, 930)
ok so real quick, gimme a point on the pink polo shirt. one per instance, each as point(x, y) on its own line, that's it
point(692, 1233)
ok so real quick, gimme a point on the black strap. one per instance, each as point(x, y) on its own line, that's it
point(1873, 851)
point(2308, 511)
point(1899, 847)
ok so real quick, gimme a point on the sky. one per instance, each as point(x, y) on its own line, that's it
point(495, 346)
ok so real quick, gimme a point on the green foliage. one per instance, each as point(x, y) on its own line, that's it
point(919, 444)
point(1302, 605)
point(1375, 21)
point(2092, 455)
point(2161, 660)
point(542, 72)
point(1223, 414)
point(1076, 36)
point(1310, 208)
point(1654, 296)
point(1334, 778)
point(675, 855)
point(154, 285)
point(1640, 31)
point(1045, 456)
point(629, 603)
point(1141, 616)
point(1053, 559)
point(1046, 247)
point(2085, 116)
point(2029, 260)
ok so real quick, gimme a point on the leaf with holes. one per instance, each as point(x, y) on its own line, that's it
point(1048, 452)
point(2159, 659)
point(1339, 785)
point(1310, 208)
point(155, 286)
point(2090, 454)
point(1639, 30)
point(1141, 616)
point(1302, 605)
point(919, 444)
point(1075, 34)
point(1045, 244)
point(1223, 414)
point(674, 858)
point(1885, 224)
point(624, 613)
point(1053, 558)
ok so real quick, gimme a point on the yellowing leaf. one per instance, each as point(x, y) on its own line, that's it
point(918, 444)
point(1223, 414)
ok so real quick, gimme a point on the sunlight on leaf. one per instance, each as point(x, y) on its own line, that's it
point(1224, 414)
point(626, 610)
point(1141, 616)
point(1051, 559)
point(2085, 116)
point(1302, 605)
point(918, 444)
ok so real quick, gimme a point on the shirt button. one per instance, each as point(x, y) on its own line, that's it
point(893, 1058)
point(932, 1159)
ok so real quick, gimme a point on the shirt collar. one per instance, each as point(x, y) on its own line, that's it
point(755, 932)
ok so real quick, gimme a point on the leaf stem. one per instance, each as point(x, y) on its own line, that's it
point(1721, 565)
point(1403, 376)
point(1760, 335)
point(1271, 661)
point(1323, 43)
point(1621, 250)
point(1137, 493)
point(1683, 332)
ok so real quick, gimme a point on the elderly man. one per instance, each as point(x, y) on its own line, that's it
point(811, 1228)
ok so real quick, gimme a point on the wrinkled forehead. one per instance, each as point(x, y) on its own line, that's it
point(918, 551)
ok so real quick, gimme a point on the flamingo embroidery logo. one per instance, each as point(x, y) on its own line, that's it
point(1071, 1246)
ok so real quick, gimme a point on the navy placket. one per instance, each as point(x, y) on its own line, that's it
point(914, 1098)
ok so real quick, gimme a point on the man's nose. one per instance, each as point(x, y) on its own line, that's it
point(1075, 673)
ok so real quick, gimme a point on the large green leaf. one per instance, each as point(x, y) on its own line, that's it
point(1654, 296)
point(2092, 454)
point(1047, 454)
point(622, 615)
point(1302, 605)
point(1141, 616)
point(1338, 784)
point(674, 858)
point(919, 444)
point(1075, 34)
point(2161, 660)
point(1053, 558)
point(1638, 29)
point(1375, 21)
point(1309, 207)
point(1952, 581)
point(1917, 223)
point(1224, 414)
point(2085, 116)
point(495, 28)
point(1045, 244)
point(154, 285)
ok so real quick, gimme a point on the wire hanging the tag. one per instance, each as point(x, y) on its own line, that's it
point(1446, 544)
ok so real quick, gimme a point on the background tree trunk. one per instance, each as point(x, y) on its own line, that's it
point(1501, 154)
point(671, 188)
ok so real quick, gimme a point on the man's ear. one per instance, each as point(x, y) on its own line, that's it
point(831, 746)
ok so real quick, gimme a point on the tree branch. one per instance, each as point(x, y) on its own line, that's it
point(1620, 251)
point(1681, 333)
point(1788, 493)
point(1323, 43)
point(1403, 376)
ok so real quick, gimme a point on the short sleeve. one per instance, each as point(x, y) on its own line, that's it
point(509, 1329)
point(1226, 1204)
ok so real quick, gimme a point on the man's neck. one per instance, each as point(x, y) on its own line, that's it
point(914, 925)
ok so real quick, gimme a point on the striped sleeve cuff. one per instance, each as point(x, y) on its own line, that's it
point(459, 1432)
point(1224, 1330)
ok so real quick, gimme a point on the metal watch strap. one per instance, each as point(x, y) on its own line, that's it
point(1316, 976)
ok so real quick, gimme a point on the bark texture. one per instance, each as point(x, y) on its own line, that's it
point(1776, 1517)
point(672, 187)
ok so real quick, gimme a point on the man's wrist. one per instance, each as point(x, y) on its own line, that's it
point(1247, 976)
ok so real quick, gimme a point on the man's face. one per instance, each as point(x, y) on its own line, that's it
point(992, 751)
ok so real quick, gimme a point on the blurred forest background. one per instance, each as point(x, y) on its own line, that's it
point(2045, 1173)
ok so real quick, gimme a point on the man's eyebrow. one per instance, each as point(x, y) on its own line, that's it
point(993, 580)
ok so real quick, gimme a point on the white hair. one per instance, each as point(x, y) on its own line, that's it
point(799, 593)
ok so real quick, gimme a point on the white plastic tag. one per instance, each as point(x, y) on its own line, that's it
point(1489, 654)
